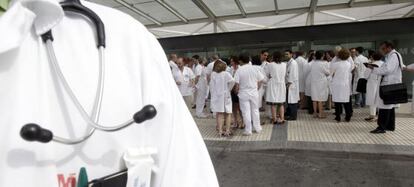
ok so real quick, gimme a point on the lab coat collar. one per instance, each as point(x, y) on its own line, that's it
point(22, 15)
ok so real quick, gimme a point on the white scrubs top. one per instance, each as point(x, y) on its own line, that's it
point(137, 74)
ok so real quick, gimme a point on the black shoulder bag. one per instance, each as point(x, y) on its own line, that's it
point(394, 93)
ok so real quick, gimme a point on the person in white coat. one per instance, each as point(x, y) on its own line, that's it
point(237, 116)
point(276, 89)
point(172, 61)
point(292, 86)
point(137, 74)
point(391, 73)
point(197, 70)
point(319, 89)
point(302, 79)
point(221, 84)
point(202, 90)
point(308, 82)
point(373, 86)
point(248, 80)
point(340, 85)
point(184, 78)
point(262, 90)
point(360, 68)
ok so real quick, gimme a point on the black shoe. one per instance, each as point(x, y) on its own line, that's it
point(389, 129)
point(193, 107)
point(338, 119)
point(291, 119)
point(377, 131)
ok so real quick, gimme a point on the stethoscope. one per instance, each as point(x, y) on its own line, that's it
point(34, 132)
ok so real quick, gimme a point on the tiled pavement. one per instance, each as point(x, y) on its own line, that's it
point(308, 133)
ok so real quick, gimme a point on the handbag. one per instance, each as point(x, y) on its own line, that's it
point(394, 93)
point(362, 85)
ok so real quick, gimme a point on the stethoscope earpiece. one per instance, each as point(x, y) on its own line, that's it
point(146, 113)
point(33, 132)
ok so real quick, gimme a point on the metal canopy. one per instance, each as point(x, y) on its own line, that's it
point(171, 18)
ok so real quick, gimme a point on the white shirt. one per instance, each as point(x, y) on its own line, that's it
point(184, 81)
point(359, 61)
point(137, 74)
point(248, 77)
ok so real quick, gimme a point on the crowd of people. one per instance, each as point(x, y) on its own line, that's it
point(280, 83)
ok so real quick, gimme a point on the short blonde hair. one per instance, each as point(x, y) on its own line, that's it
point(344, 54)
point(219, 66)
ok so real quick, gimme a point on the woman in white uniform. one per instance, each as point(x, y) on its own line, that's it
point(373, 87)
point(221, 84)
point(276, 87)
point(340, 85)
point(319, 89)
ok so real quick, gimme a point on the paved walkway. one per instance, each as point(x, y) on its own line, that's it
point(310, 134)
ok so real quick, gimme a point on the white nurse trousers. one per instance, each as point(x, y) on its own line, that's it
point(250, 112)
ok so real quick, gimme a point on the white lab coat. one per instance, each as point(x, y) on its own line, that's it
point(340, 86)
point(359, 71)
point(373, 82)
point(137, 74)
point(276, 86)
point(292, 76)
point(221, 85)
point(202, 91)
point(185, 78)
point(319, 77)
point(262, 89)
point(350, 61)
point(302, 62)
point(308, 81)
point(392, 74)
point(173, 66)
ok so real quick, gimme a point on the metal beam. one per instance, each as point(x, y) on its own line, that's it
point(351, 3)
point(172, 10)
point(247, 24)
point(310, 20)
point(285, 11)
point(240, 6)
point(222, 27)
point(409, 14)
point(338, 15)
point(276, 7)
point(284, 20)
point(203, 7)
point(200, 28)
point(139, 12)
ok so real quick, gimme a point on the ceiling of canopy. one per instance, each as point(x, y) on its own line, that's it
point(172, 18)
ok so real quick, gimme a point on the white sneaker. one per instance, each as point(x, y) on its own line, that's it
point(247, 133)
point(257, 131)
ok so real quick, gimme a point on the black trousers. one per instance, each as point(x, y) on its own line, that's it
point(386, 119)
point(348, 110)
point(292, 111)
point(310, 104)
